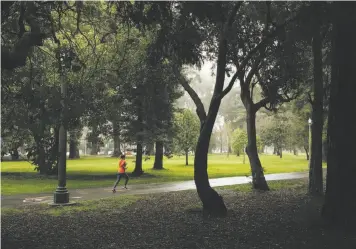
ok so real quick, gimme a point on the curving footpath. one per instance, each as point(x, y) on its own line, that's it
point(138, 189)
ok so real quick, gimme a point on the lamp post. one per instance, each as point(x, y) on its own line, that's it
point(310, 122)
point(61, 195)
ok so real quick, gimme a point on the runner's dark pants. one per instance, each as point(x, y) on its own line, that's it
point(119, 175)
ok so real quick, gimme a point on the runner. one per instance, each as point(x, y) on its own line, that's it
point(121, 173)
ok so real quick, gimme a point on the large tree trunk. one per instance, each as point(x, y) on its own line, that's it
point(116, 136)
point(138, 164)
point(258, 178)
point(340, 201)
point(315, 162)
point(158, 164)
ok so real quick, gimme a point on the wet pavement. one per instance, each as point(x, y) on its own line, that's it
point(99, 193)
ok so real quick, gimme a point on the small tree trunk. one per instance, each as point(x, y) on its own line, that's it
point(158, 164)
point(275, 152)
point(116, 137)
point(306, 152)
point(150, 147)
point(295, 152)
point(340, 201)
point(280, 153)
point(258, 178)
point(238, 153)
point(315, 162)
point(73, 146)
point(138, 164)
point(15, 154)
point(186, 158)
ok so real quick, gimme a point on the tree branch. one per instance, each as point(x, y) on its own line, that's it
point(194, 96)
point(310, 99)
point(261, 103)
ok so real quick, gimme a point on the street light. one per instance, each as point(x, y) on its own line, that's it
point(310, 122)
point(61, 195)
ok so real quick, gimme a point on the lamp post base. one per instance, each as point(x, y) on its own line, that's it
point(61, 195)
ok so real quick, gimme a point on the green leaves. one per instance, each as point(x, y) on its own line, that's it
point(187, 130)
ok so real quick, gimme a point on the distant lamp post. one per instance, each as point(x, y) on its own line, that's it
point(310, 122)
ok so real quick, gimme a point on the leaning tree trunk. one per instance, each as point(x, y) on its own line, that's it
point(158, 164)
point(315, 162)
point(340, 201)
point(138, 163)
point(213, 203)
point(116, 136)
point(258, 178)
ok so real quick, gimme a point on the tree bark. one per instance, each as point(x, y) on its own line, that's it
point(340, 202)
point(116, 137)
point(280, 153)
point(158, 164)
point(138, 164)
point(258, 179)
point(315, 162)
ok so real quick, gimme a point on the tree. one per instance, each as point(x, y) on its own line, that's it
point(340, 204)
point(271, 60)
point(239, 141)
point(187, 128)
point(315, 162)
point(276, 132)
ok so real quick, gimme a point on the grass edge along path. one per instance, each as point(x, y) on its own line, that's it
point(19, 178)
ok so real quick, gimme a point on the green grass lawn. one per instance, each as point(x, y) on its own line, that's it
point(19, 177)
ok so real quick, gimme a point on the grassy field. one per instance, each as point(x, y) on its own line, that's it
point(19, 177)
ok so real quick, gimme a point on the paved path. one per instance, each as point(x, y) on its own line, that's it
point(98, 193)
